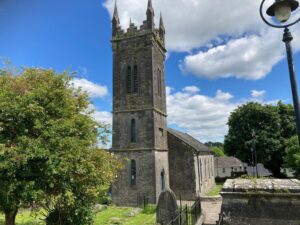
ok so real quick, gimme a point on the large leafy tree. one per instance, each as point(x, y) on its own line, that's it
point(256, 126)
point(218, 152)
point(292, 158)
point(48, 148)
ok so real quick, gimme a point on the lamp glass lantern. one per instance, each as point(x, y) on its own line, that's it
point(282, 9)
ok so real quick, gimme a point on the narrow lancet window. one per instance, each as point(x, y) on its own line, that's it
point(133, 173)
point(133, 131)
point(135, 79)
point(128, 80)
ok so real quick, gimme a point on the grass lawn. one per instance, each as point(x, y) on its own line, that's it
point(216, 190)
point(25, 218)
point(111, 215)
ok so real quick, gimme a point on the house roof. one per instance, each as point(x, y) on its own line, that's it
point(227, 162)
point(189, 140)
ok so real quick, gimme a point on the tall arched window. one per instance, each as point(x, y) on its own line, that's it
point(128, 80)
point(133, 172)
point(159, 82)
point(135, 79)
point(162, 180)
point(133, 131)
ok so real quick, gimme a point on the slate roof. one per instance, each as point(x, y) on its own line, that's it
point(189, 140)
point(227, 162)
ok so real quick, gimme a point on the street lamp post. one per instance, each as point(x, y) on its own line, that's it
point(282, 10)
point(254, 153)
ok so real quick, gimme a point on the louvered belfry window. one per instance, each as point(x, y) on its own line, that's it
point(129, 80)
point(135, 79)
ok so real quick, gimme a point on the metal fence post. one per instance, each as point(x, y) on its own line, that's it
point(187, 215)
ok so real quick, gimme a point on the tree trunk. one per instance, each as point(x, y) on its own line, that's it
point(10, 217)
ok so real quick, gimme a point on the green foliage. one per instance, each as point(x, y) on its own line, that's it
point(48, 145)
point(124, 216)
point(216, 191)
point(109, 215)
point(215, 144)
point(263, 127)
point(218, 152)
point(105, 199)
point(149, 209)
point(292, 159)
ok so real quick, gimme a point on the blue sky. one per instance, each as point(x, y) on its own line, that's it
point(218, 57)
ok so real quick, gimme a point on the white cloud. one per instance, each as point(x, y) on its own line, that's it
point(100, 116)
point(233, 39)
point(205, 117)
point(258, 94)
point(250, 57)
point(193, 23)
point(223, 96)
point(93, 89)
point(201, 116)
point(103, 116)
point(191, 89)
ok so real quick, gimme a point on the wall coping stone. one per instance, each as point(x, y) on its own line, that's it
point(260, 186)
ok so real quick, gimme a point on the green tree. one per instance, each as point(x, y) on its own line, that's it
point(218, 152)
point(48, 148)
point(258, 126)
point(292, 159)
point(215, 144)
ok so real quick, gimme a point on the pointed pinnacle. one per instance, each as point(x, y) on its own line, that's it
point(161, 22)
point(150, 5)
point(116, 14)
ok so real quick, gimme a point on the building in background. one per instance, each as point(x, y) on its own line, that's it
point(226, 167)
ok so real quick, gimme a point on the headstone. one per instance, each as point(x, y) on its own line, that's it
point(167, 208)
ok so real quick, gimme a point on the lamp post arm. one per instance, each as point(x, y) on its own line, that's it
point(287, 38)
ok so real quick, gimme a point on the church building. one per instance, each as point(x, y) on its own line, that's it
point(153, 161)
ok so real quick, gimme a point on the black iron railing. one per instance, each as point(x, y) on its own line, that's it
point(188, 215)
point(196, 211)
point(182, 218)
point(220, 221)
point(142, 200)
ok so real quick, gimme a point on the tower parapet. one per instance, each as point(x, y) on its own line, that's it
point(147, 27)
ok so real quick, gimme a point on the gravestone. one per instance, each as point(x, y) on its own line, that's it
point(167, 208)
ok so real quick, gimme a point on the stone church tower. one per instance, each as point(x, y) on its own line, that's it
point(139, 110)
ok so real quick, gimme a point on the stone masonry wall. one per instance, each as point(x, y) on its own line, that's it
point(190, 175)
point(261, 202)
point(126, 195)
point(142, 48)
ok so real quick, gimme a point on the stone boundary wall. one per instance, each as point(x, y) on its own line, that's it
point(261, 202)
point(211, 199)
